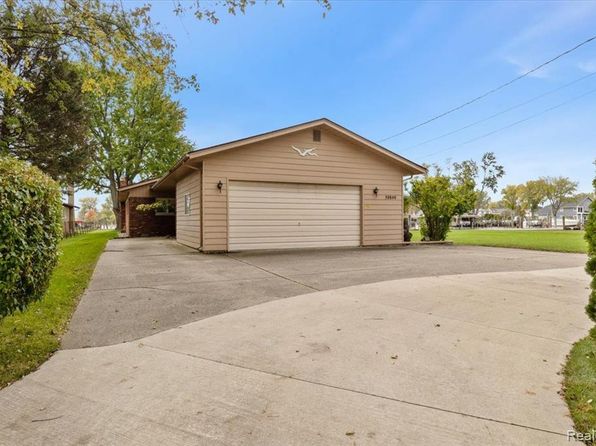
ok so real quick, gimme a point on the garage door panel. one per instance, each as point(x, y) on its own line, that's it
point(284, 215)
point(295, 204)
point(298, 214)
point(289, 245)
point(292, 221)
point(297, 188)
point(282, 231)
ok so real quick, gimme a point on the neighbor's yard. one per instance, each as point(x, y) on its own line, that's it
point(28, 338)
point(561, 241)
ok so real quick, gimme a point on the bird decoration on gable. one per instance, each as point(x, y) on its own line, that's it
point(305, 151)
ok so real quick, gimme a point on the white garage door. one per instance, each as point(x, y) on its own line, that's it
point(285, 215)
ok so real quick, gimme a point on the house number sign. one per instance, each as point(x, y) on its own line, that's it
point(390, 197)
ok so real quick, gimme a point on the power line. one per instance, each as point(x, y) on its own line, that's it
point(494, 90)
point(469, 141)
point(521, 104)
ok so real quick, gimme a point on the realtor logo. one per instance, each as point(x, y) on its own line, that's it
point(305, 152)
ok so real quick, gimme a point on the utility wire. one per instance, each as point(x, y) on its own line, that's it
point(494, 90)
point(521, 104)
point(469, 141)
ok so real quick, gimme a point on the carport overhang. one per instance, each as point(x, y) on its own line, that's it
point(124, 191)
point(183, 167)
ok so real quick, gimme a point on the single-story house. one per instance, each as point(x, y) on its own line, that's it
point(68, 211)
point(68, 218)
point(315, 184)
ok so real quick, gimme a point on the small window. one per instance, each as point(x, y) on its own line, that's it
point(187, 204)
point(580, 210)
point(316, 135)
point(168, 206)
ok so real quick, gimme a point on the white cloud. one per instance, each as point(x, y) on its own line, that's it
point(525, 66)
point(589, 66)
point(532, 44)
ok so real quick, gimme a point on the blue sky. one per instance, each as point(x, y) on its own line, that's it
point(379, 67)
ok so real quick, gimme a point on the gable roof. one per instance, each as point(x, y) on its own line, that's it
point(140, 183)
point(410, 167)
point(568, 208)
point(124, 191)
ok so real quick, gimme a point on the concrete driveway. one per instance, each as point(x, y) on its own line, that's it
point(144, 286)
point(449, 359)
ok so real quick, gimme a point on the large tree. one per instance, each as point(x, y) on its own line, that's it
point(88, 209)
point(43, 120)
point(105, 216)
point(84, 28)
point(120, 32)
point(533, 195)
point(557, 191)
point(512, 197)
point(484, 174)
point(135, 132)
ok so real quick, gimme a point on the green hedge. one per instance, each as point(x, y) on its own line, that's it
point(591, 265)
point(30, 229)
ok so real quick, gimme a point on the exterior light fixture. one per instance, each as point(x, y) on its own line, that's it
point(376, 190)
point(220, 185)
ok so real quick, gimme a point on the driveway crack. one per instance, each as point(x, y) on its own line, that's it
point(273, 273)
point(359, 392)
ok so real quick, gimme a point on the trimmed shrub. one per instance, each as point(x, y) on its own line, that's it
point(30, 229)
point(440, 199)
point(591, 265)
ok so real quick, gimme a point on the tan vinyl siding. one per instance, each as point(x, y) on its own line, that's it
point(188, 226)
point(339, 161)
point(141, 191)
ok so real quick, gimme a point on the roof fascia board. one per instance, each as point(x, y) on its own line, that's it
point(139, 184)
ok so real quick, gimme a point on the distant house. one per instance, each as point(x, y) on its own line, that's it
point(68, 218)
point(68, 212)
point(414, 217)
point(571, 213)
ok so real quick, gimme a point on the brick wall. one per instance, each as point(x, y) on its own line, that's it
point(143, 224)
point(122, 216)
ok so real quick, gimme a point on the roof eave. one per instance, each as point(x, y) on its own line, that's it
point(180, 162)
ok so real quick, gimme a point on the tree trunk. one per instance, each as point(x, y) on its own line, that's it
point(554, 212)
point(115, 204)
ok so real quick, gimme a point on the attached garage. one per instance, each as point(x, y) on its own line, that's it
point(311, 185)
point(292, 215)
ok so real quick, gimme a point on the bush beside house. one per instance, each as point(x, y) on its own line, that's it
point(440, 198)
point(30, 229)
point(591, 265)
point(580, 370)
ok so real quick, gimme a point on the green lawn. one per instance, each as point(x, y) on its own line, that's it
point(562, 241)
point(579, 385)
point(28, 338)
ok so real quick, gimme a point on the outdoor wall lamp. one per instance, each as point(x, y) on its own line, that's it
point(376, 190)
point(220, 185)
